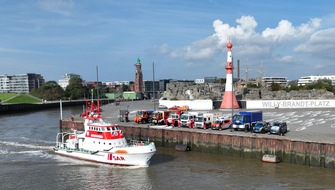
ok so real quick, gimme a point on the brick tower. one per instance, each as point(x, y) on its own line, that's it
point(138, 77)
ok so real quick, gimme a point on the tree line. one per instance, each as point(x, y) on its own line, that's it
point(76, 89)
point(321, 84)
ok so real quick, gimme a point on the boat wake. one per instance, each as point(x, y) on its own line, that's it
point(31, 146)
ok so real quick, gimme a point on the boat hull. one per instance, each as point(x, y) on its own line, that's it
point(127, 156)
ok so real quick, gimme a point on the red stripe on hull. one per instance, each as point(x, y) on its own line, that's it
point(93, 161)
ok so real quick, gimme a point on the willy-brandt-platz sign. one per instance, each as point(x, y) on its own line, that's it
point(258, 104)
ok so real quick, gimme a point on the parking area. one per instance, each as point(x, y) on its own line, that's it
point(316, 124)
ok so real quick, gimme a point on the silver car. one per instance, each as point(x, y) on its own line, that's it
point(279, 128)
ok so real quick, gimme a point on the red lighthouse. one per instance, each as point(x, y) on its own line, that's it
point(229, 97)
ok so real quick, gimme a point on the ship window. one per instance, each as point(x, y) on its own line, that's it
point(113, 128)
point(104, 143)
point(108, 129)
point(99, 142)
point(110, 143)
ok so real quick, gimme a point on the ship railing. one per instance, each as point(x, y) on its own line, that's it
point(61, 139)
point(138, 143)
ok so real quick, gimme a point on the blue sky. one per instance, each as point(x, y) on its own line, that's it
point(185, 39)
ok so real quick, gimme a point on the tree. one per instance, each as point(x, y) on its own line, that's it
point(49, 91)
point(76, 88)
point(253, 85)
point(276, 87)
point(321, 84)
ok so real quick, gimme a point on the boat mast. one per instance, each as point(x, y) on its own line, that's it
point(153, 84)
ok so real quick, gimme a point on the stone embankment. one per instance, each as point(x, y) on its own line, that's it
point(215, 91)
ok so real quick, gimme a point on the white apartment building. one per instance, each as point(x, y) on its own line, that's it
point(310, 79)
point(199, 81)
point(20, 83)
point(64, 81)
point(279, 80)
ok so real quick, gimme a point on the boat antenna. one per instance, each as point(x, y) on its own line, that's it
point(61, 109)
point(97, 86)
point(153, 84)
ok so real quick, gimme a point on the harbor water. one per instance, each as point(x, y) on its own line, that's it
point(27, 162)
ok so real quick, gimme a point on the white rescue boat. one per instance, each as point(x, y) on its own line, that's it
point(103, 143)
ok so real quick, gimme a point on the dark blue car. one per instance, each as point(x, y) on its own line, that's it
point(261, 127)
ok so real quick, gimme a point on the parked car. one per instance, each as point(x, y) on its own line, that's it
point(261, 127)
point(174, 108)
point(184, 108)
point(220, 124)
point(162, 106)
point(279, 128)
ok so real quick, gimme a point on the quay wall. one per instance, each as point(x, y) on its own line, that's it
point(15, 108)
point(287, 150)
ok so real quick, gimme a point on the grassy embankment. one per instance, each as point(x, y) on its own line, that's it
point(11, 98)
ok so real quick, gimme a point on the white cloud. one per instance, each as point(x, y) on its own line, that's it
point(319, 66)
point(279, 48)
point(287, 59)
point(7, 50)
point(244, 30)
point(320, 42)
point(286, 31)
point(62, 7)
point(199, 50)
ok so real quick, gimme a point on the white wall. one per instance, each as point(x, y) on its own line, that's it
point(192, 104)
point(270, 104)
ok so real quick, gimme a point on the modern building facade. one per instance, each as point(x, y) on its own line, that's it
point(206, 80)
point(278, 80)
point(151, 89)
point(210, 79)
point(310, 79)
point(64, 81)
point(20, 83)
point(162, 84)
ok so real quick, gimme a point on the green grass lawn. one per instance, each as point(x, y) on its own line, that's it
point(5, 96)
point(19, 99)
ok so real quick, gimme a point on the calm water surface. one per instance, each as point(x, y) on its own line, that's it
point(28, 162)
